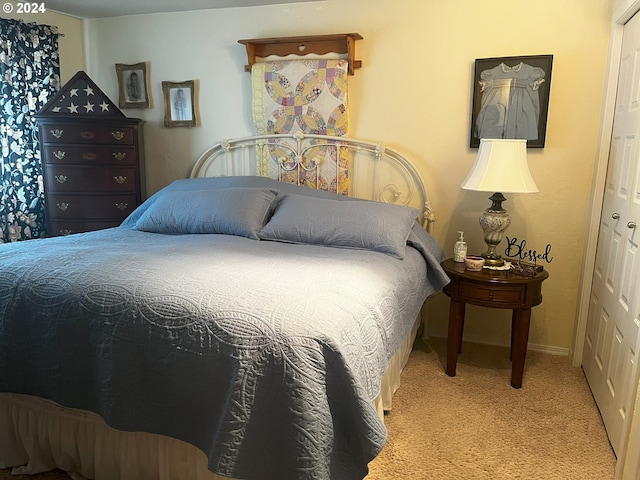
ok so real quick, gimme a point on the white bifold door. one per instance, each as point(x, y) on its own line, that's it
point(610, 356)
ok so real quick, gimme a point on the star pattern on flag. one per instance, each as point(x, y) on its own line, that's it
point(81, 97)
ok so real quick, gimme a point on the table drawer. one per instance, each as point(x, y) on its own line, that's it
point(90, 155)
point(65, 178)
point(90, 207)
point(477, 293)
point(88, 134)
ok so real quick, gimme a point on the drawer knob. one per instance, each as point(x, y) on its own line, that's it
point(631, 225)
point(122, 206)
point(119, 156)
point(491, 295)
point(59, 154)
point(118, 135)
point(56, 132)
point(65, 232)
point(120, 179)
point(63, 206)
point(61, 178)
point(87, 135)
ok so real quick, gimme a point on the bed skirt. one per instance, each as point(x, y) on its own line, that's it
point(38, 435)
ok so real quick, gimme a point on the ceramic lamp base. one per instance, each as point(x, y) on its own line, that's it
point(494, 221)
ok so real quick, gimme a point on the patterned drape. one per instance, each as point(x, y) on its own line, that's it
point(309, 96)
point(29, 77)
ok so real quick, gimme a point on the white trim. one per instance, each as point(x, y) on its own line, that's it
point(628, 465)
point(491, 341)
point(624, 13)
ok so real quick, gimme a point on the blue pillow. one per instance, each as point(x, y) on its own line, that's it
point(364, 225)
point(230, 211)
point(217, 183)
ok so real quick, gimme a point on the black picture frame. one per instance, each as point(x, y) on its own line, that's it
point(492, 115)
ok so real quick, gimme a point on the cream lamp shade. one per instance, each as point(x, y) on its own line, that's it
point(501, 166)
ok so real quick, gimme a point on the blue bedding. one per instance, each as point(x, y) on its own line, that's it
point(266, 355)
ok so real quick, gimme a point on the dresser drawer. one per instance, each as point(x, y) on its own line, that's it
point(90, 207)
point(90, 155)
point(503, 296)
point(58, 228)
point(87, 134)
point(65, 178)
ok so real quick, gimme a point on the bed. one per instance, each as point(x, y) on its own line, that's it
point(248, 322)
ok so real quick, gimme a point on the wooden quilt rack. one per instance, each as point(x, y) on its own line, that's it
point(318, 44)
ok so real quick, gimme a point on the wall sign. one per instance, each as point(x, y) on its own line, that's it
point(519, 250)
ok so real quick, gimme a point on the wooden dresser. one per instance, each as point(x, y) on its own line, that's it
point(92, 160)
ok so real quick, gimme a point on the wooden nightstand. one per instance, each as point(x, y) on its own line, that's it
point(495, 289)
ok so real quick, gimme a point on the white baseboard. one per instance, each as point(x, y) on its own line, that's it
point(487, 341)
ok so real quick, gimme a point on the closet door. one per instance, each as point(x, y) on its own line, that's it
point(613, 327)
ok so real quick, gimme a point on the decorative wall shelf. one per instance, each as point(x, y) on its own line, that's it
point(318, 44)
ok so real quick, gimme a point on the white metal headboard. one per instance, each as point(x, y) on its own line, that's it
point(373, 171)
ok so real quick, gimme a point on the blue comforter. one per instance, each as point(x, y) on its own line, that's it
point(264, 355)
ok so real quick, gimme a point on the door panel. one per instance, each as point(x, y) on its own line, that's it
point(613, 325)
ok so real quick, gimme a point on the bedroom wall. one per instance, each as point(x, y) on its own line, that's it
point(413, 93)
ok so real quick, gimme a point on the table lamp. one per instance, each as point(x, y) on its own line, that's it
point(501, 166)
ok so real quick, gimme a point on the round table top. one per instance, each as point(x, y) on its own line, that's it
point(456, 269)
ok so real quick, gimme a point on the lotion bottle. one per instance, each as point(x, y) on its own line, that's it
point(460, 249)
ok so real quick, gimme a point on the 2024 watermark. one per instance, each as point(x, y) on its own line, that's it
point(30, 7)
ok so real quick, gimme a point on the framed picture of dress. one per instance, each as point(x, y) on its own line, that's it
point(511, 99)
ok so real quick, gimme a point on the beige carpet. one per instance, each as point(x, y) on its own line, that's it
point(475, 426)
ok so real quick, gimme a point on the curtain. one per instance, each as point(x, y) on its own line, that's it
point(29, 77)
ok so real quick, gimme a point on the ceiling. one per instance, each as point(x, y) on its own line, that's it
point(86, 9)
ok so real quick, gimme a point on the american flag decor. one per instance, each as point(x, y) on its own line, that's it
point(81, 96)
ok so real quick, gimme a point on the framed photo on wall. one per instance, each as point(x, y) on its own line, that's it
point(179, 104)
point(133, 85)
point(511, 99)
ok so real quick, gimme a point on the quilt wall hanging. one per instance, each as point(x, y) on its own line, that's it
point(309, 96)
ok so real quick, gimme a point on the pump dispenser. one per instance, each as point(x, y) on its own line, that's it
point(460, 249)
